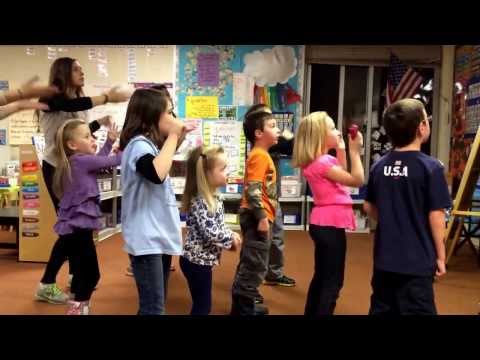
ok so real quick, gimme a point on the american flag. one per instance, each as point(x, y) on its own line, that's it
point(402, 81)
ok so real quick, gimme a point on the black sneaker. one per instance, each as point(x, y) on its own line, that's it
point(260, 310)
point(259, 299)
point(281, 281)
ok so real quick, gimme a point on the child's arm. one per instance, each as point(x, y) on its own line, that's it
point(111, 138)
point(97, 162)
point(106, 148)
point(256, 169)
point(437, 226)
point(371, 210)
point(355, 177)
point(210, 226)
point(438, 200)
point(163, 161)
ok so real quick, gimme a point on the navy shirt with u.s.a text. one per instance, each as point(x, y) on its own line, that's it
point(406, 186)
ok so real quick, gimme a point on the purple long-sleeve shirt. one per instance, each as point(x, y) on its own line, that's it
point(79, 206)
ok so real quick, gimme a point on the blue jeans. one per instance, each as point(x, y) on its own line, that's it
point(151, 280)
point(199, 278)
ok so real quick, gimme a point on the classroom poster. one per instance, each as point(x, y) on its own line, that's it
point(226, 112)
point(229, 135)
point(202, 107)
point(131, 65)
point(243, 89)
point(23, 125)
point(233, 60)
point(208, 69)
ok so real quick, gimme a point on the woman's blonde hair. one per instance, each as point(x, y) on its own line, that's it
point(62, 152)
point(200, 160)
point(311, 136)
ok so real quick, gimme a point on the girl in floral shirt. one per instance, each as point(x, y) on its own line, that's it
point(207, 234)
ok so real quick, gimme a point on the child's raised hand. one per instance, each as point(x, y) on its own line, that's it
point(189, 127)
point(106, 121)
point(113, 132)
point(341, 142)
point(357, 143)
point(177, 127)
point(116, 148)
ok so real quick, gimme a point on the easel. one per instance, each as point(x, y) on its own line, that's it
point(463, 201)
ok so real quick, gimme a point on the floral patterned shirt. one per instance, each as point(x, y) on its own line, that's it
point(207, 234)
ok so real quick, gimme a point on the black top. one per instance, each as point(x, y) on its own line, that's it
point(405, 187)
point(145, 167)
point(63, 103)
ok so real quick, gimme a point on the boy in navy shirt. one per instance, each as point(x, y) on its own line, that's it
point(407, 194)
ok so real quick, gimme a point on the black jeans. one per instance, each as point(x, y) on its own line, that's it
point(58, 254)
point(253, 264)
point(401, 294)
point(199, 279)
point(330, 249)
point(82, 253)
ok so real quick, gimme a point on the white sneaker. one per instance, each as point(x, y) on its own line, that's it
point(51, 294)
point(78, 308)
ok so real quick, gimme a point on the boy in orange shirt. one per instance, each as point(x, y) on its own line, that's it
point(257, 214)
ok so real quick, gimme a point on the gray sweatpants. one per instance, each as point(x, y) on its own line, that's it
point(275, 263)
point(253, 264)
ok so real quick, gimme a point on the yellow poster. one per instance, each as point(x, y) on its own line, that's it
point(202, 107)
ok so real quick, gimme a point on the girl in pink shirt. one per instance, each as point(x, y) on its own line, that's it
point(332, 212)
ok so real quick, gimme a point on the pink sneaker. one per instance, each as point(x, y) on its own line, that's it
point(78, 307)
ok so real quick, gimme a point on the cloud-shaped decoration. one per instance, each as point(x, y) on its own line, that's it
point(271, 66)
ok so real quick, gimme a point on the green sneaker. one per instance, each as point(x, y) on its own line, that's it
point(51, 293)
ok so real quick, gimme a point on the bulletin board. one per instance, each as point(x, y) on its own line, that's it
point(218, 83)
point(215, 75)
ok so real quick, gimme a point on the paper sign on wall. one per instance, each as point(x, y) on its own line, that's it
point(243, 86)
point(227, 112)
point(201, 107)
point(208, 69)
point(4, 85)
point(229, 135)
point(23, 125)
point(3, 136)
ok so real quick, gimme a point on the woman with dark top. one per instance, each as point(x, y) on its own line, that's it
point(67, 75)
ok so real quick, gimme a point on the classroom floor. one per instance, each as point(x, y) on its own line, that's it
point(456, 293)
